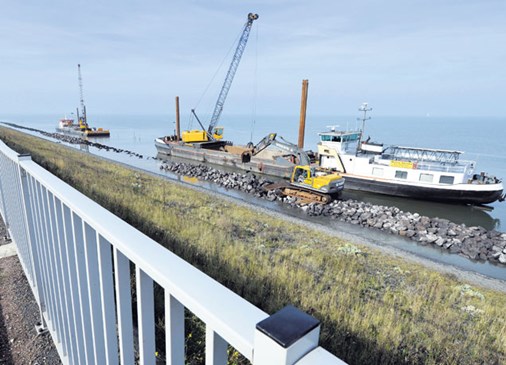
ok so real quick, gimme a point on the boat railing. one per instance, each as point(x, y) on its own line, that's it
point(93, 277)
point(456, 169)
point(459, 167)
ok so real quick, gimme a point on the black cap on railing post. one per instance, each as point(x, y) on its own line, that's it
point(285, 337)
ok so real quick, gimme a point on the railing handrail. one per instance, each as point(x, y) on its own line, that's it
point(67, 250)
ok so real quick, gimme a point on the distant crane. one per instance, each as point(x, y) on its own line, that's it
point(82, 120)
point(213, 133)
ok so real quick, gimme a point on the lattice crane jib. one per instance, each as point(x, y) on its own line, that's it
point(231, 73)
point(83, 107)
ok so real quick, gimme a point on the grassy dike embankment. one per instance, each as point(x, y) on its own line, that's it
point(374, 309)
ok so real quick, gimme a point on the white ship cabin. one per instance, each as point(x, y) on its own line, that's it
point(340, 141)
point(344, 151)
point(66, 122)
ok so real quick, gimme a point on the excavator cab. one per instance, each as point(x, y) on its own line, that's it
point(218, 133)
point(302, 175)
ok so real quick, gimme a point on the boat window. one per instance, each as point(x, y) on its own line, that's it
point(377, 171)
point(325, 138)
point(444, 179)
point(336, 138)
point(426, 177)
point(350, 137)
point(401, 174)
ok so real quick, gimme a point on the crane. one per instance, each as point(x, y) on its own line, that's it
point(82, 120)
point(214, 133)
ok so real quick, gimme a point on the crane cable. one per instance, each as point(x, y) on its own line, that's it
point(233, 46)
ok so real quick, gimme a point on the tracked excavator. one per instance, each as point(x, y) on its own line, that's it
point(310, 184)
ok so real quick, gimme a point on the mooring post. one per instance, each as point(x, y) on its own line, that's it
point(303, 108)
point(285, 337)
point(178, 135)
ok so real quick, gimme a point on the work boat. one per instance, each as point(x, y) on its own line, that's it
point(420, 173)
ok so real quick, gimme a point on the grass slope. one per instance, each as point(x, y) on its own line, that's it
point(374, 309)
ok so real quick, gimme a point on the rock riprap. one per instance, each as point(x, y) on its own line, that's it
point(474, 242)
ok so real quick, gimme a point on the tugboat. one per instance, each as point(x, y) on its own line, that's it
point(419, 173)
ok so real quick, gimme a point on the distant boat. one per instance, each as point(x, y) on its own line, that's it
point(420, 173)
point(67, 126)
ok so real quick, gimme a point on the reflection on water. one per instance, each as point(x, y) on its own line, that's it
point(190, 179)
point(84, 147)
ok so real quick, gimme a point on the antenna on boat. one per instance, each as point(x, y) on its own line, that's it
point(363, 108)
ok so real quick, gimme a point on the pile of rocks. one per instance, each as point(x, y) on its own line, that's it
point(475, 243)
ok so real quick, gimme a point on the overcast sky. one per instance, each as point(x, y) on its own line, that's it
point(405, 57)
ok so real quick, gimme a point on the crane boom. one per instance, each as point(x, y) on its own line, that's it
point(231, 73)
point(83, 108)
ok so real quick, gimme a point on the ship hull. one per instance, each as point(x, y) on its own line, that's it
point(466, 194)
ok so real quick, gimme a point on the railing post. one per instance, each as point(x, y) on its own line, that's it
point(285, 337)
point(2, 201)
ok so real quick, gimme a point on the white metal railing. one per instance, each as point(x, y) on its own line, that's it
point(78, 256)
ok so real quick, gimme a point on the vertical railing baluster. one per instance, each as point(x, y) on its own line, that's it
point(145, 317)
point(124, 307)
point(174, 330)
point(39, 243)
point(61, 253)
point(82, 287)
point(94, 294)
point(75, 313)
point(216, 348)
point(46, 243)
point(56, 273)
point(107, 299)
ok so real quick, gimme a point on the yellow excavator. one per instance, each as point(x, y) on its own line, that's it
point(310, 184)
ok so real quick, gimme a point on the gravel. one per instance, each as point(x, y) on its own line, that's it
point(19, 312)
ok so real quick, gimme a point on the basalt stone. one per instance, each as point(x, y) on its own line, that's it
point(502, 258)
point(431, 238)
point(410, 233)
point(440, 241)
point(455, 248)
point(378, 225)
point(448, 244)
